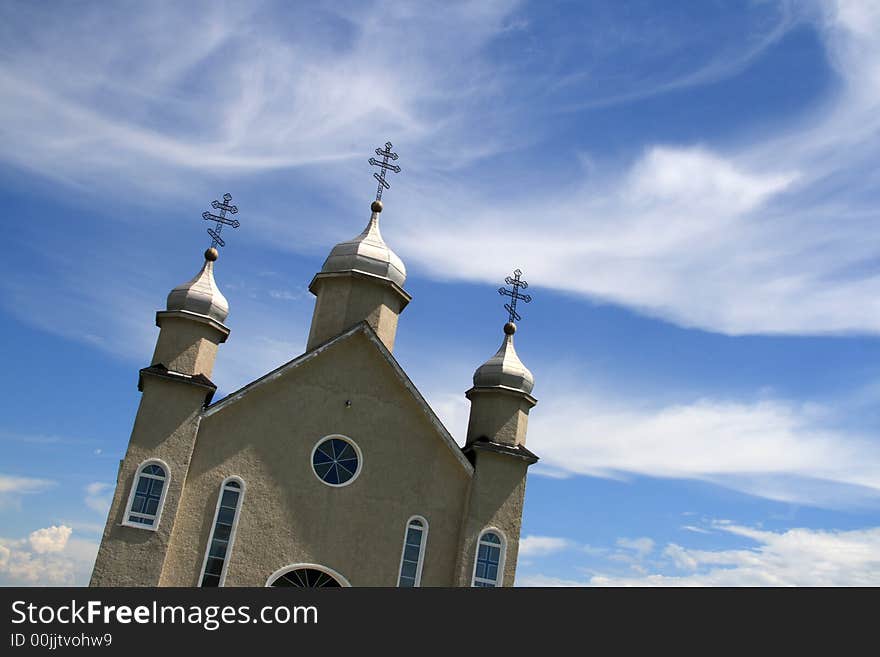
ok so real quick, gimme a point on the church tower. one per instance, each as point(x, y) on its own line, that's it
point(496, 446)
point(501, 397)
point(362, 279)
point(175, 389)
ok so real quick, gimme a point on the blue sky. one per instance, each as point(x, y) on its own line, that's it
point(690, 190)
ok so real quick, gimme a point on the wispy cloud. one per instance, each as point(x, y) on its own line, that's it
point(13, 488)
point(11, 484)
point(533, 546)
point(772, 234)
point(204, 88)
point(736, 239)
point(793, 557)
point(99, 495)
point(641, 546)
point(772, 448)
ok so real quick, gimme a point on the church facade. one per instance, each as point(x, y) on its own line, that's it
point(332, 470)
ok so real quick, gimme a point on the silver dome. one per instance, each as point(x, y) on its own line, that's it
point(200, 295)
point(367, 253)
point(505, 370)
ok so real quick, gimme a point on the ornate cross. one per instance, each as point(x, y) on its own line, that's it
point(518, 285)
point(221, 219)
point(384, 166)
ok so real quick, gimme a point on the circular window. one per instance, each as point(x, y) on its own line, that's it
point(336, 460)
point(306, 578)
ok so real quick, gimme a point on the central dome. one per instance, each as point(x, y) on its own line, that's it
point(367, 253)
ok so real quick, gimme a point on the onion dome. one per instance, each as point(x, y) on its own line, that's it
point(367, 253)
point(201, 295)
point(505, 369)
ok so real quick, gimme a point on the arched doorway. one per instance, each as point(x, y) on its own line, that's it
point(307, 575)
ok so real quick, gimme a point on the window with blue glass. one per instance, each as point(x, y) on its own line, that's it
point(490, 560)
point(145, 503)
point(413, 552)
point(336, 461)
point(222, 534)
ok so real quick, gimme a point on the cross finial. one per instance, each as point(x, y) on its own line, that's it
point(221, 220)
point(518, 284)
point(384, 166)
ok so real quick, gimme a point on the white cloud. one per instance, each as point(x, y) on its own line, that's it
point(99, 495)
point(48, 557)
point(641, 546)
point(793, 557)
point(772, 235)
point(287, 295)
point(796, 557)
point(50, 539)
point(539, 546)
point(12, 488)
point(545, 581)
point(769, 236)
point(23, 485)
point(772, 448)
point(283, 86)
point(736, 240)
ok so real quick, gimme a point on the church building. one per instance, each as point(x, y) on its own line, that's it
point(331, 470)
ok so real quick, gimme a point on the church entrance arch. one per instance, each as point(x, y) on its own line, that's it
point(307, 575)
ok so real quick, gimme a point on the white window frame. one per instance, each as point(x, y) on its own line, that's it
point(357, 451)
point(501, 561)
point(422, 547)
point(232, 532)
point(316, 566)
point(138, 473)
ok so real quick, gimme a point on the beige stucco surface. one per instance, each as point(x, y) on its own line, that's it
point(344, 299)
point(500, 415)
point(495, 501)
point(288, 516)
point(164, 429)
point(187, 346)
point(265, 434)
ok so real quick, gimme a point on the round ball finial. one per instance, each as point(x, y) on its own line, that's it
point(376, 206)
point(509, 328)
point(211, 254)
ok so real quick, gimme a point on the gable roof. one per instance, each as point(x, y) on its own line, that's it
point(367, 330)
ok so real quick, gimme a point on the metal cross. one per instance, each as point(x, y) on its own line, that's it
point(518, 285)
point(384, 166)
point(221, 219)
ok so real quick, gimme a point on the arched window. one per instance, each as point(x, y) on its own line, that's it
point(308, 576)
point(222, 533)
point(147, 495)
point(413, 552)
point(489, 566)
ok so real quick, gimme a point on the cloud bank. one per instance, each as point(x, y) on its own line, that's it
point(47, 557)
point(765, 233)
point(794, 557)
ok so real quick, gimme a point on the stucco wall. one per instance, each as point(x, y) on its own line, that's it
point(164, 429)
point(344, 299)
point(187, 346)
point(498, 490)
point(288, 516)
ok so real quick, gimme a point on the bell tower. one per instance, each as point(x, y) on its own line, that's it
point(362, 278)
point(501, 399)
point(175, 388)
